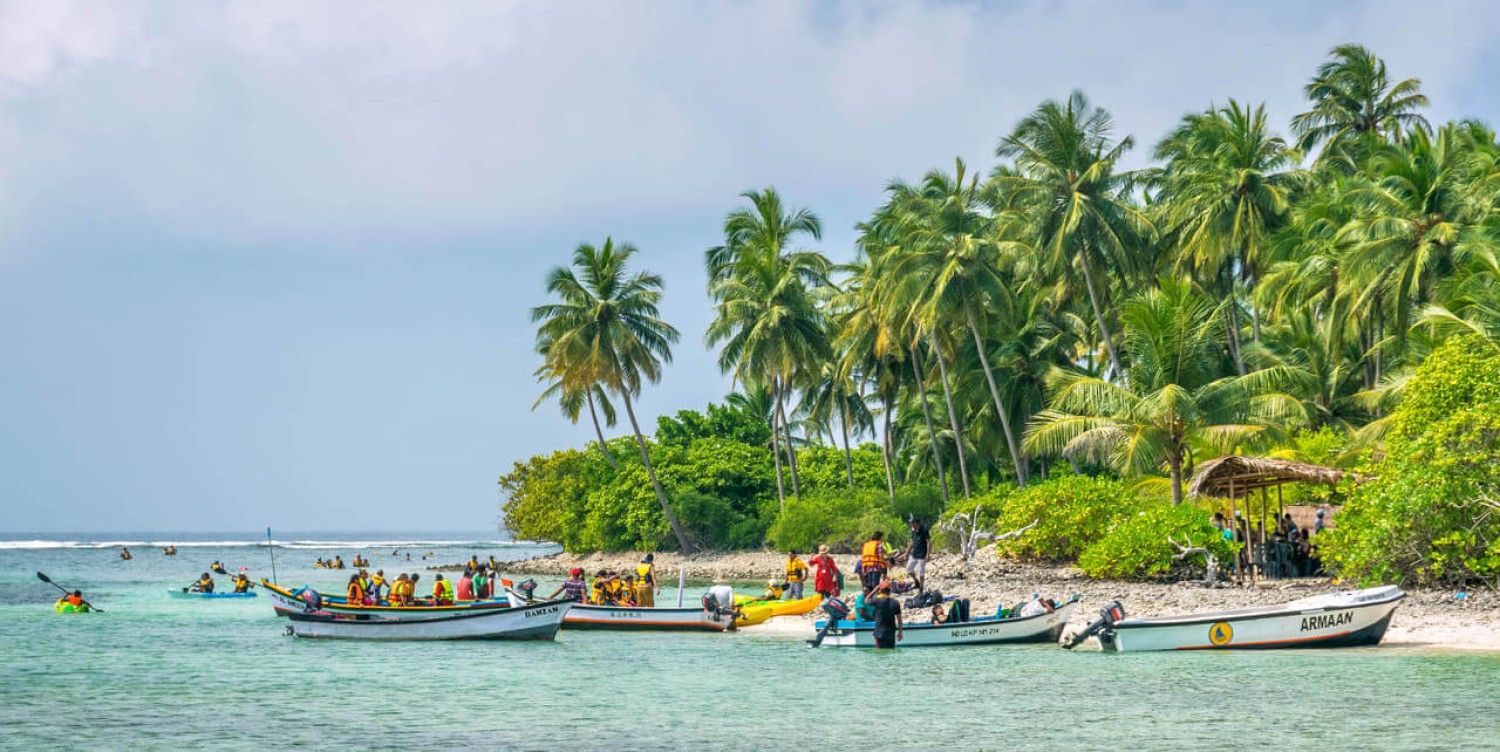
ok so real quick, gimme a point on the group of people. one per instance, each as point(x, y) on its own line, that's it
point(1291, 551)
point(167, 551)
point(633, 590)
point(205, 583)
point(476, 584)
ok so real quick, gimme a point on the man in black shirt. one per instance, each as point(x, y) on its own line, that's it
point(887, 610)
point(916, 553)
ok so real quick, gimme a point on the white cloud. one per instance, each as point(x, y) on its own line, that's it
point(307, 124)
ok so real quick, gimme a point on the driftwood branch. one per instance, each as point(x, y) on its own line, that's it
point(1211, 572)
point(966, 527)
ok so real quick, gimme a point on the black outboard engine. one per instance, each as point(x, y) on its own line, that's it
point(310, 597)
point(837, 610)
point(527, 588)
point(1104, 626)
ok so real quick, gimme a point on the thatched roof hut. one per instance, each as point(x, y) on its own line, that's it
point(1234, 475)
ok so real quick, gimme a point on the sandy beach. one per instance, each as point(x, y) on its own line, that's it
point(1427, 619)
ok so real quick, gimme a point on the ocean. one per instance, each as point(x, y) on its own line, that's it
point(153, 672)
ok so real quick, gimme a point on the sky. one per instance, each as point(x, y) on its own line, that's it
point(271, 263)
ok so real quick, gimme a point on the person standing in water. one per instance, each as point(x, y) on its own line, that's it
point(125, 552)
point(887, 612)
point(646, 585)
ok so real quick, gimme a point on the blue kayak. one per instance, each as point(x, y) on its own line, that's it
point(185, 593)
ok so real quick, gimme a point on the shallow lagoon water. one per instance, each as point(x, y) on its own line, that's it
point(156, 672)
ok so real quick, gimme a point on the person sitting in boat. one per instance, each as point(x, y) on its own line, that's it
point(125, 554)
point(356, 593)
point(466, 586)
point(614, 590)
point(73, 600)
point(473, 562)
point(442, 592)
point(217, 568)
point(379, 588)
point(773, 591)
point(573, 589)
point(205, 584)
point(1036, 607)
point(796, 574)
point(626, 593)
point(242, 583)
point(397, 595)
point(938, 614)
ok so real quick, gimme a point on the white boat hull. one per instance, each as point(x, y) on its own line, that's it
point(537, 622)
point(287, 604)
point(583, 616)
point(1039, 628)
point(1346, 619)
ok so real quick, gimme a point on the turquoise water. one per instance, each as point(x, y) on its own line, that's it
point(155, 672)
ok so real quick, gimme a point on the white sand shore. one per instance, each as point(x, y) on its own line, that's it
point(1427, 620)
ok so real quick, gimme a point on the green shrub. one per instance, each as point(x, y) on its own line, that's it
point(1428, 516)
point(708, 519)
point(1137, 547)
point(842, 520)
point(1071, 512)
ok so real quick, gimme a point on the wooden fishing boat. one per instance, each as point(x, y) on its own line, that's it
point(1045, 627)
point(535, 622)
point(689, 619)
point(1345, 619)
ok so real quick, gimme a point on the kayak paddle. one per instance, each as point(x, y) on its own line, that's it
point(48, 580)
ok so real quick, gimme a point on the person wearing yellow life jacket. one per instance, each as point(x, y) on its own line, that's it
point(205, 584)
point(338, 562)
point(356, 591)
point(378, 587)
point(400, 591)
point(646, 584)
point(442, 592)
point(872, 561)
point(599, 590)
point(773, 591)
point(796, 574)
point(241, 583)
point(125, 554)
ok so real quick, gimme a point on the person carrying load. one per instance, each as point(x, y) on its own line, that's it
point(796, 574)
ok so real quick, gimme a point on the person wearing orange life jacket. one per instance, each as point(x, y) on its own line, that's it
point(872, 561)
point(356, 591)
point(442, 592)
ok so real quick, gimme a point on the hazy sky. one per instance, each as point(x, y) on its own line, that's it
point(270, 263)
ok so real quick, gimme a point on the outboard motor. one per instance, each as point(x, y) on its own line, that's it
point(837, 610)
point(311, 597)
point(1104, 626)
point(528, 589)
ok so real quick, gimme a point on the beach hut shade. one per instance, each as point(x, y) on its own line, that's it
point(1234, 475)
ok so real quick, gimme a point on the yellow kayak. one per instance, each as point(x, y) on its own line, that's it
point(784, 608)
point(752, 615)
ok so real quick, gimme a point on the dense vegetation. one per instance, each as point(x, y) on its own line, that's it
point(1061, 315)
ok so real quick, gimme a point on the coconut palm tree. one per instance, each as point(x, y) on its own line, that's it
point(1067, 184)
point(947, 271)
point(572, 399)
point(605, 328)
point(1175, 397)
point(835, 396)
point(1352, 97)
point(765, 313)
point(1227, 186)
point(868, 347)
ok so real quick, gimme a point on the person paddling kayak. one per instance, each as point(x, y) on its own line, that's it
point(205, 584)
point(72, 603)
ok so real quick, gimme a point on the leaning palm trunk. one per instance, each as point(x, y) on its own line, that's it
point(958, 435)
point(661, 495)
point(791, 452)
point(937, 457)
point(989, 376)
point(885, 453)
point(848, 457)
point(1109, 344)
point(589, 393)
